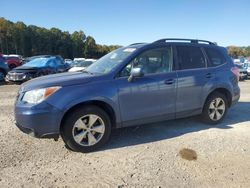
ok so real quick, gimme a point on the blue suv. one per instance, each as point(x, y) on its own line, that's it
point(138, 84)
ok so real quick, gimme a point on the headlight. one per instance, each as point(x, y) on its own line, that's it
point(38, 95)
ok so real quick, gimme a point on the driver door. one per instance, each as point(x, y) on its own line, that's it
point(151, 97)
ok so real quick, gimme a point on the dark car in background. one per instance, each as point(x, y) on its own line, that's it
point(3, 68)
point(37, 67)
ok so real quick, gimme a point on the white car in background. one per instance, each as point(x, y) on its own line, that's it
point(69, 61)
point(247, 67)
point(79, 65)
point(79, 59)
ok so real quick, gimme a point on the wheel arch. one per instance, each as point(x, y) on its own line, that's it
point(223, 91)
point(101, 104)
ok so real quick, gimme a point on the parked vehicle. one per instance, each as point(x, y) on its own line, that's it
point(69, 61)
point(37, 67)
point(133, 85)
point(3, 68)
point(13, 61)
point(247, 67)
point(81, 65)
point(243, 72)
point(79, 59)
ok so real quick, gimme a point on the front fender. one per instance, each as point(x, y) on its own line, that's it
point(212, 87)
point(70, 96)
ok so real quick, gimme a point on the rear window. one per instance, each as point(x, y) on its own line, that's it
point(215, 57)
point(190, 57)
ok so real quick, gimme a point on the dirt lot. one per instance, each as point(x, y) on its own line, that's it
point(145, 156)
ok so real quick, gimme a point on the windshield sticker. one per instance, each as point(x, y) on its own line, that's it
point(129, 49)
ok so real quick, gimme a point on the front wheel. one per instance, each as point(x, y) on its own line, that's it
point(215, 108)
point(86, 129)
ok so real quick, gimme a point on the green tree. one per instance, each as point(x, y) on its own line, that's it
point(32, 40)
point(90, 49)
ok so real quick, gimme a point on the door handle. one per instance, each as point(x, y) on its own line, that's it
point(169, 81)
point(209, 75)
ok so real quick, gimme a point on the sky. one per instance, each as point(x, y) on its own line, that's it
point(123, 22)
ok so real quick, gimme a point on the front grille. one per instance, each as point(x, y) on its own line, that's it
point(16, 76)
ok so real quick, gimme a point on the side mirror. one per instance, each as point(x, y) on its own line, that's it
point(135, 73)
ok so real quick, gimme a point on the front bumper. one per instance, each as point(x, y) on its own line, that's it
point(41, 121)
point(8, 79)
point(18, 77)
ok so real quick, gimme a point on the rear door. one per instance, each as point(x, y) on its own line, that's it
point(192, 76)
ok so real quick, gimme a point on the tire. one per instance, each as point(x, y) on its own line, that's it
point(215, 104)
point(79, 132)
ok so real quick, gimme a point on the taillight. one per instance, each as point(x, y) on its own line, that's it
point(236, 72)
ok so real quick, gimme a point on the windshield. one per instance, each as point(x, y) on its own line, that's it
point(110, 61)
point(38, 62)
point(81, 63)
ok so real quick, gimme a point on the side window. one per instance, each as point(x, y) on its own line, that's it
point(152, 62)
point(215, 57)
point(190, 57)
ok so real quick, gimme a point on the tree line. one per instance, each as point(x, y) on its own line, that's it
point(236, 52)
point(30, 40)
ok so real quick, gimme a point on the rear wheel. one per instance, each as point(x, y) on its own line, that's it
point(86, 129)
point(215, 108)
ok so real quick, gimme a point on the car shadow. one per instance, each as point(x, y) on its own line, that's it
point(169, 129)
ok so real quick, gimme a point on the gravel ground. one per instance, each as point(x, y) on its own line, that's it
point(145, 156)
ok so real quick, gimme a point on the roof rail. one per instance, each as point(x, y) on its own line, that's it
point(136, 43)
point(187, 40)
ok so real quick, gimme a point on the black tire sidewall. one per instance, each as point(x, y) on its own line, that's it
point(205, 114)
point(66, 132)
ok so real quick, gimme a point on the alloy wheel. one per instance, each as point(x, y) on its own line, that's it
point(88, 130)
point(216, 109)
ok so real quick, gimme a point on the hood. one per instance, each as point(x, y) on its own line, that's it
point(61, 79)
point(24, 69)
